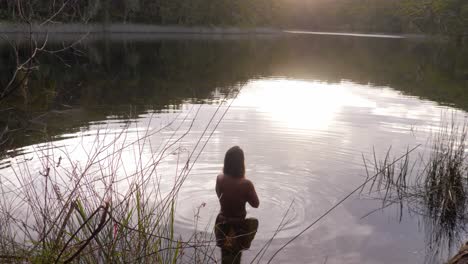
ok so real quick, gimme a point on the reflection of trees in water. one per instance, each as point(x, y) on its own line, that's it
point(106, 77)
point(165, 70)
point(437, 191)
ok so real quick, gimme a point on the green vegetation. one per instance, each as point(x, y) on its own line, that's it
point(449, 17)
point(105, 210)
point(100, 210)
point(446, 17)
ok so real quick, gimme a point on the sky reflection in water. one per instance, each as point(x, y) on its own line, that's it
point(303, 142)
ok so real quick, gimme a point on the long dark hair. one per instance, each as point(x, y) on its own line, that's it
point(234, 162)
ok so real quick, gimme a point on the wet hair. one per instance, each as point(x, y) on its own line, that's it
point(234, 162)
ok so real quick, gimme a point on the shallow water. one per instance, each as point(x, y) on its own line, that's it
point(305, 109)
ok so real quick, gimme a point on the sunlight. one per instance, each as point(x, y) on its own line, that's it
point(296, 104)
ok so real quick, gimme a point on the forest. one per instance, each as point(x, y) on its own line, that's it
point(439, 17)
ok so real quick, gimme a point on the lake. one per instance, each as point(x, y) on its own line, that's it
point(306, 109)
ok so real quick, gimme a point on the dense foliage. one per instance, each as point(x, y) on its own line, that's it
point(448, 17)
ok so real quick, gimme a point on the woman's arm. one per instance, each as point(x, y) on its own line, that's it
point(218, 186)
point(252, 197)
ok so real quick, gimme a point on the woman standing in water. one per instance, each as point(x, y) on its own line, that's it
point(233, 231)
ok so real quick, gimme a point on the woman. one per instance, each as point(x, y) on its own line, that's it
point(233, 232)
point(232, 188)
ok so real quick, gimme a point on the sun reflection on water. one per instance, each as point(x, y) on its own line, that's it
point(298, 104)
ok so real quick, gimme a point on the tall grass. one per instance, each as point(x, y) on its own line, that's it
point(110, 204)
point(433, 185)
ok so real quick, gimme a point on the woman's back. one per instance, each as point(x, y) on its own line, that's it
point(233, 193)
point(232, 188)
point(233, 232)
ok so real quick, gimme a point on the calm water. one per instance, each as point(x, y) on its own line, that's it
point(304, 109)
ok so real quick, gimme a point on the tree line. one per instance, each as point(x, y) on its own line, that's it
point(445, 17)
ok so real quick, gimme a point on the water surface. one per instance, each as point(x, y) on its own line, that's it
point(304, 109)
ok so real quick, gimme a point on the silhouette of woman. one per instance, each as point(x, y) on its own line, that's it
point(233, 231)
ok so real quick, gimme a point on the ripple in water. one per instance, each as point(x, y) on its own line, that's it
point(197, 206)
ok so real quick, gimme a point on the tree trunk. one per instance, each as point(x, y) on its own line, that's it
point(107, 6)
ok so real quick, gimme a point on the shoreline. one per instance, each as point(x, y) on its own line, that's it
point(143, 32)
point(14, 28)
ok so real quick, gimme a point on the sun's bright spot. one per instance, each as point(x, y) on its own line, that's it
point(301, 105)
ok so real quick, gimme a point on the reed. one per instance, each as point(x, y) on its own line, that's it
point(432, 185)
point(111, 206)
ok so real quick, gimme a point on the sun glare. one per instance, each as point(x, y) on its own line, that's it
point(299, 105)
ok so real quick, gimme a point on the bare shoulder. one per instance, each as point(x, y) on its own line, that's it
point(247, 183)
point(220, 177)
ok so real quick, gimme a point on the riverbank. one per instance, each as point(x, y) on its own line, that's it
point(11, 28)
point(142, 31)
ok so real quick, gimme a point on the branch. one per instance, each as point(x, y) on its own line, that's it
point(55, 14)
point(101, 225)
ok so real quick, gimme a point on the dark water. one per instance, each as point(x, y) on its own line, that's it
point(304, 109)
